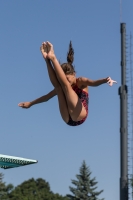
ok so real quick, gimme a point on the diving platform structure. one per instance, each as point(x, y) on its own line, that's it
point(7, 162)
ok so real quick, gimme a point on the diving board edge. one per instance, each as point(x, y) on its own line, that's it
point(7, 161)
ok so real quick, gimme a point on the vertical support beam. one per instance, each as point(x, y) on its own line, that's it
point(123, 119)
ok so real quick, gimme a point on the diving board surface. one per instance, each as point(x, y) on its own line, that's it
point(7, 162)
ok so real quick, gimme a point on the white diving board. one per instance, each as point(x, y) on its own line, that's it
point(7, 162)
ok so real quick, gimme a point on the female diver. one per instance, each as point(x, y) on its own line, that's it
point(72, 92)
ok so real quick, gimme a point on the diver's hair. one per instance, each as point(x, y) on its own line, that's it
point(70, 54)
point(68, 68)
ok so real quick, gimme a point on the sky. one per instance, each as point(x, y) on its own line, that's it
point(39, 132)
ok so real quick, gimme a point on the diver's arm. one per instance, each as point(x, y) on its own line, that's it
point(88, 82)
point(38, 100)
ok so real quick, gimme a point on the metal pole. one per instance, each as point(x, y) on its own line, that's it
point(123, 119)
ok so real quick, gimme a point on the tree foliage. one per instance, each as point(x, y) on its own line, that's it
point(4, 189)
point(33, 189)
point(85, 186)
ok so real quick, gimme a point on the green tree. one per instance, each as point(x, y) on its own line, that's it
point(4, 189)
point(2, 186)
point(32, 189)
point(85, 186)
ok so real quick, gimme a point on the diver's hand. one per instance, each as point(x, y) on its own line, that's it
point(110, 82)
point(25, 104)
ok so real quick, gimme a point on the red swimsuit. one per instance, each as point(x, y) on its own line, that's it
point(85, 100)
